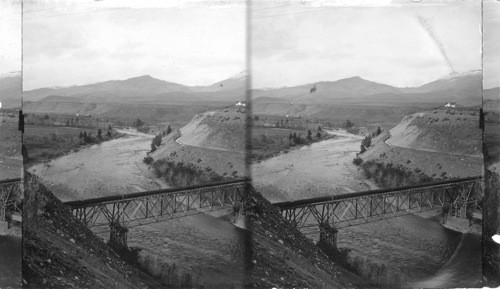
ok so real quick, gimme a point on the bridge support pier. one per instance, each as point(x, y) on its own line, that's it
point(327, 237)
point(117, 236)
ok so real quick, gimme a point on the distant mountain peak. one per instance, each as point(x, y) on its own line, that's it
point(10, 74)
point(242, 75)
point(142, 77)
point(462, 74)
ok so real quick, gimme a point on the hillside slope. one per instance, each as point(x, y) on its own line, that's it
point(212, 141)
point(446, 131)
point(439, 144)
point(60, 252)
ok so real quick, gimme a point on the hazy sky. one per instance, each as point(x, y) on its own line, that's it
point(491, 57)
point(401, 43)
point(10, 36)
point(87, 41)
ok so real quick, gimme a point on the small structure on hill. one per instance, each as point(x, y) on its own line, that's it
point(450, 104)
point(241, 103)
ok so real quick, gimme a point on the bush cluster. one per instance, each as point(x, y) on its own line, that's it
point(179, 174)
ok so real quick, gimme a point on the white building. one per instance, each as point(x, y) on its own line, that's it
point(450, 104)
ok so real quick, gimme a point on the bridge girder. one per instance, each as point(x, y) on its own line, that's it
point(459, 197)
point(11, 196)
point(159, 205)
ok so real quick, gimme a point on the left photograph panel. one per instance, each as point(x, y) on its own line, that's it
point(135, 119)
point(11, 164)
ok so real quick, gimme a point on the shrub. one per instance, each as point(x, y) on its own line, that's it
point(388, 176)
point(357, 161)
point(148, 160)
point(178, 174)
point(367, 142)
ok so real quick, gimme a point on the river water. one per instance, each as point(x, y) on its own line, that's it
point(208, 248)
point(110, 168)
point(10, 262)
point(415, 251)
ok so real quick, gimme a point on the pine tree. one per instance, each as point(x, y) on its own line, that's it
point(309, 135)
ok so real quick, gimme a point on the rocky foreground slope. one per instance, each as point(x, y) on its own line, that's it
point(282, 257)
point(60, 252)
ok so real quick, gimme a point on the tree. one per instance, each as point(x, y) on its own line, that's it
point(99, 134)
point(363, 149)
point(318, 135)
point(379, 131)
point(309, 135)
point(319, 128)
point(277, 124)
point(109, 134)
point(349, 124)
point(156, 142)
point(84, 135)
point(139, 123)
point(367, 142)
point(81, 135)
point(109, 127)
point(169, 130)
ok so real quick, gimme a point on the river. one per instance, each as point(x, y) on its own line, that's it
point(208, 248)
point(411, 248)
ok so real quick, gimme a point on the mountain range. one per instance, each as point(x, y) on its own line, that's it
point(465, 88)
point(10, 90)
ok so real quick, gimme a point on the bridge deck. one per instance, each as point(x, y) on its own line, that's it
point(321, 200)
point(154, 206)
point(462, 199)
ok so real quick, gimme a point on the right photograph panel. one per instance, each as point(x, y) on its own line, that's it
point(366, 144)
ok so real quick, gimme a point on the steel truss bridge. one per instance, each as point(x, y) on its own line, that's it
point(11, 196)
point(459, 198)
point(155, 206)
